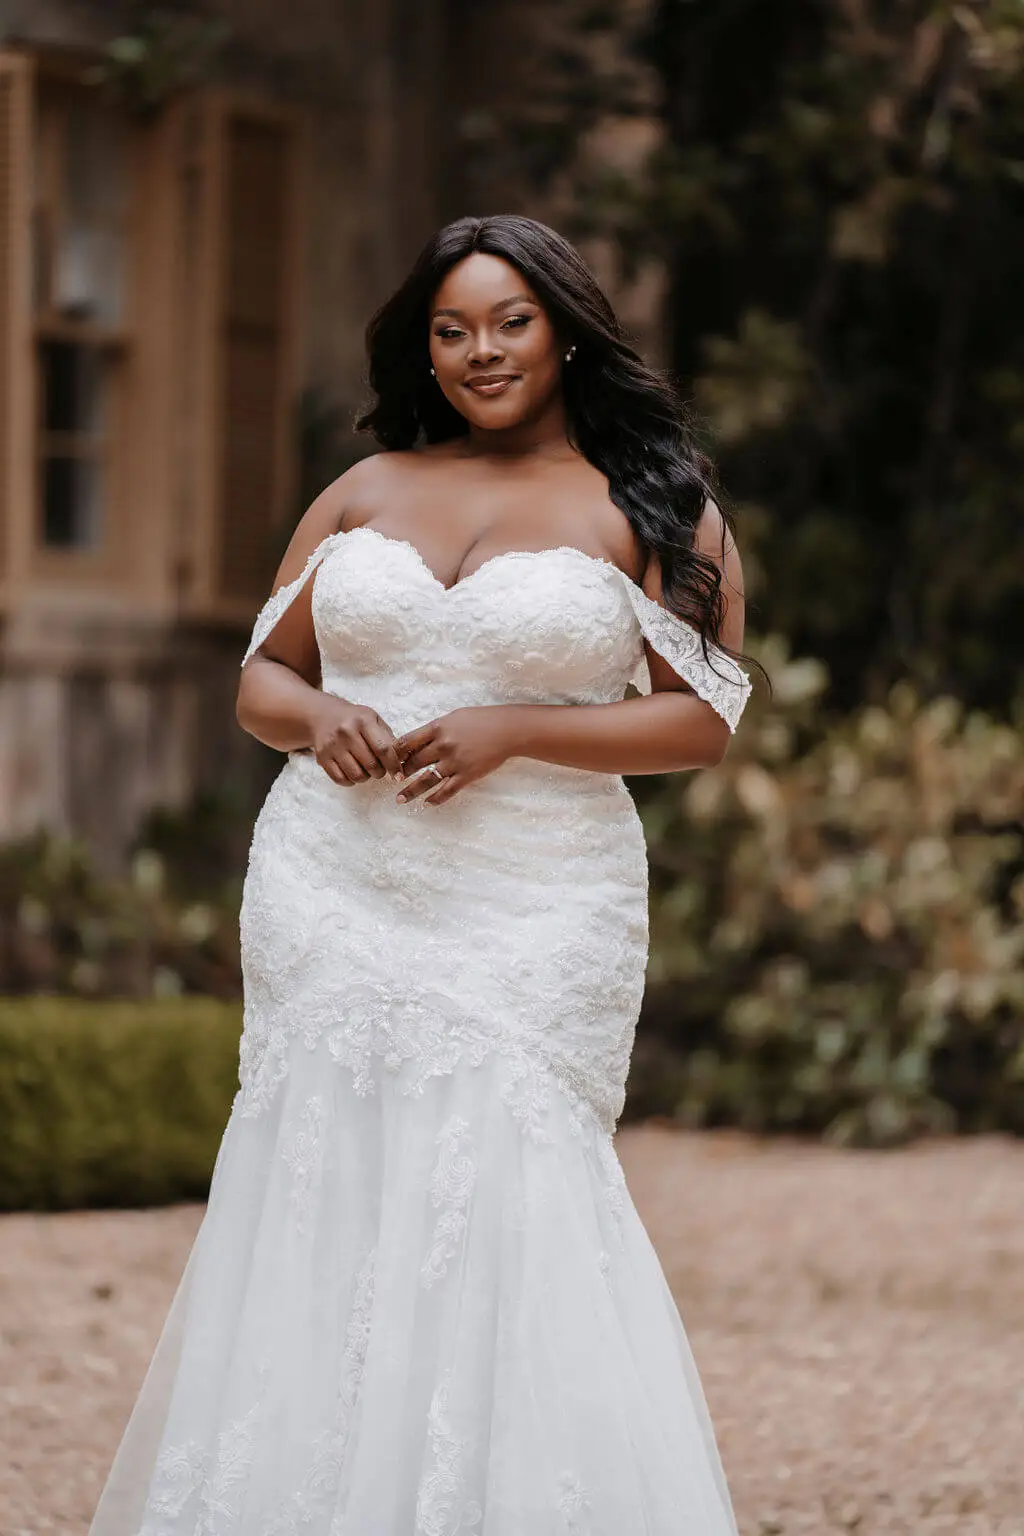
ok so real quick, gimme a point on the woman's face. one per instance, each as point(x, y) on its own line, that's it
point(492, 346)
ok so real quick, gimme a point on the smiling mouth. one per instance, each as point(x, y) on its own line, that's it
point(493, 385)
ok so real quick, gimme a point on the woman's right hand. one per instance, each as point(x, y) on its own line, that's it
point(351, 742)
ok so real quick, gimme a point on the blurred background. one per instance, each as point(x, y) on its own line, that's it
point(811, 214)
point(808, 211)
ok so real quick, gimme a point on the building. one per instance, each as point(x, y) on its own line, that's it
point(188, 256)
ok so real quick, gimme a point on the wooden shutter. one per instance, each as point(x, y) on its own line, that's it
point(15, 311)
point(252, 177)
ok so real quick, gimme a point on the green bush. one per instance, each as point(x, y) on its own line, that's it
point(112, 1103)
point(838, 932)
point(166, 925)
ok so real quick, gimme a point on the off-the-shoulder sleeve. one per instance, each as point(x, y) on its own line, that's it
point(275, 605)
point(720, 682)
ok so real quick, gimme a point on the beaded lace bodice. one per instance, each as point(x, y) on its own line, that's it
point(553, 625)
point(361, 919)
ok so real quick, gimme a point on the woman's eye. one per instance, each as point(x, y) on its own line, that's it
point(448, 332)
point(517, 320)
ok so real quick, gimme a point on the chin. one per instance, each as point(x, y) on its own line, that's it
point(498, 417)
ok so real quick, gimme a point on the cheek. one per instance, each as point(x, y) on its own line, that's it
point(449, 365)
point(539, 354)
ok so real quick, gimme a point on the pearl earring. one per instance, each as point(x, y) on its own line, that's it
point(570, 354)
point(433, 375)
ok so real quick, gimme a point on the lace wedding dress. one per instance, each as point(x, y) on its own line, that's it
point(421, 1301)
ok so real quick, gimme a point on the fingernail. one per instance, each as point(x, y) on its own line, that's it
point(402, 798)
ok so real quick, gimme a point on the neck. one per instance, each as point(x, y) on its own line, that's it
point(545, 436)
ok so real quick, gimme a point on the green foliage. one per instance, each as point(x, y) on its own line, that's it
point(838, 933)
point(836, 192)
point(112, 1103)
point(167, 926)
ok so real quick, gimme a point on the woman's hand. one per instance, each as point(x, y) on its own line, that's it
point(465, 744)
point(351, 742)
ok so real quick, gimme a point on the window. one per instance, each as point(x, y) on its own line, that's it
point(80, 240)
point(149, 343)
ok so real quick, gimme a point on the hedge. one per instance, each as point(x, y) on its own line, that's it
point(113, 1103)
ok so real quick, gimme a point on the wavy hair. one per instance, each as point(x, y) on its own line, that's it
point(625, 418)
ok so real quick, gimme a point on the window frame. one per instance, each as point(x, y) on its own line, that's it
point(116, 344)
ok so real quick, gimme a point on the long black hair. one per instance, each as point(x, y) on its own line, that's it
point(625, 418)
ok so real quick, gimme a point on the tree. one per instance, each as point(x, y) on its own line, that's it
point(836, 188)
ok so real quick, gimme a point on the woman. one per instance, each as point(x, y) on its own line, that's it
point(422, 1302)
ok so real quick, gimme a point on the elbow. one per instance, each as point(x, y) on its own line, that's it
point(699, 734)
point(714, 744)
point(241, 706)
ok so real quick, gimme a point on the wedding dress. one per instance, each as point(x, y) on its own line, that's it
point(421, 1301)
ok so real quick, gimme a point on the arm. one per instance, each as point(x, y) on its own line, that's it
point(279, 690)
point(280, 701)
point(669, 731)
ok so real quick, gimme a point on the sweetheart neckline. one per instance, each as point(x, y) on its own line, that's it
point(505, 554)
point(655, 622)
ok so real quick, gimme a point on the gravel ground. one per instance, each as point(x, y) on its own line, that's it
point(858, 1319)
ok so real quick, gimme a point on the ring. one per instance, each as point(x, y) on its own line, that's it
point(435, 770)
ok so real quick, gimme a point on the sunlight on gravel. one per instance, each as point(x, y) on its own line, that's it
point(858, 1319)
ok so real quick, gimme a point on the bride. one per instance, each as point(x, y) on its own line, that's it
point(422, 1302)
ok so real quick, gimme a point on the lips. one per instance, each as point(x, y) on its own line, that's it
point(488, 385)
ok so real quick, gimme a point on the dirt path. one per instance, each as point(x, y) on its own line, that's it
point(858, 1319)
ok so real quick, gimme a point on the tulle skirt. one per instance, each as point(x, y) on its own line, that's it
point(402, 1316)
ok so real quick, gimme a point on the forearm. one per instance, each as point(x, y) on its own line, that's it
point(661, 733)
point(276, 705)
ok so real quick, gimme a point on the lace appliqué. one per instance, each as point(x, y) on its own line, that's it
point(573, 1504)
point(323, 1477)
point(415, 1028)
point(528, 1096)
point(442, 1508)
point(217, 1480)
point(280, 600)
point(616, 1190)
point(302, 1156)
point(451, 1186)
point(178, 1477)
point(724, 685)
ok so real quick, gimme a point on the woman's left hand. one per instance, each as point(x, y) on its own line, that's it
point(465, 744)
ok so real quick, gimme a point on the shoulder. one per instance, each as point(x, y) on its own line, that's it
point(340, 506)
point(587, 491)
point(714, 539)
point(356, 495)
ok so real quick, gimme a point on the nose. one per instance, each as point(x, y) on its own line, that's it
point(485, 349)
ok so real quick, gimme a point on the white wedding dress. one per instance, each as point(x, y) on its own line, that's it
point(421, 1301)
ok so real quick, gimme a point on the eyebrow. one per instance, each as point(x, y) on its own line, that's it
point(517, 298)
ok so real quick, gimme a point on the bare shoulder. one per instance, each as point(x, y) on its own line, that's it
point(591, 501)
point(713, 538)
point(716, 540)
point(368, 485)
point(334, 510)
